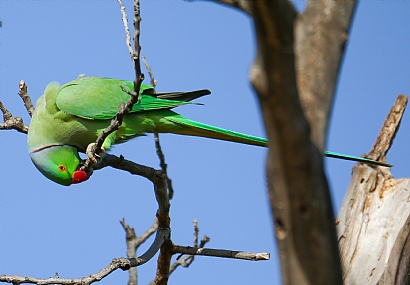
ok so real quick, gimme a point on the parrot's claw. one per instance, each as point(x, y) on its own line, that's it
point(91, 155)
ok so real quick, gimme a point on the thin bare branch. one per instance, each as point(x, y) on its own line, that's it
point(10, 122)
point(151, 75)
point(163, 166)
point(26, 98)
point(116, 263)
point(196, 232)
point(255, 256)
point(127, 30)
point(16, 123)
point(133, 242)
point(161, 238)
point(186, 261)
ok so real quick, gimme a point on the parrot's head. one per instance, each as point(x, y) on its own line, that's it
point(59, 163)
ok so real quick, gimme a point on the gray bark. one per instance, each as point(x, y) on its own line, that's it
point(374, 220)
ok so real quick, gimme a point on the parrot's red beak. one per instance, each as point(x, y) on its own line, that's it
point(80, 176)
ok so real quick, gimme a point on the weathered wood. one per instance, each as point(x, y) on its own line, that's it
point(374, 220)
point(389, 129)
point(374, 213)
point(321, 34)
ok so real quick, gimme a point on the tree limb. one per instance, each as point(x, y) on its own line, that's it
point(26, 98)
point(298, 188)
point(116, 263)
point(10, 122)
point(321, 33)
point(255, 256)
point(389, 129)
point(16, 123)
point(133, 242)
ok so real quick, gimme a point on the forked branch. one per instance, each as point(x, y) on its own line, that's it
point(11, 122)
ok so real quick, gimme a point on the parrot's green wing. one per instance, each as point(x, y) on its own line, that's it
point(99, 98)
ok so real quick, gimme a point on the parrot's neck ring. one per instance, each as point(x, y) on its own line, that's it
point(50, 145)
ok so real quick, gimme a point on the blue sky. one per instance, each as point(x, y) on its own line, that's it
point(47, 228)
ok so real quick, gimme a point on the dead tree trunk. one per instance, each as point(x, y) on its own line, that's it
point(374, 220)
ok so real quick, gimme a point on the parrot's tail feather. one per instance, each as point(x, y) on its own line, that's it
point(183, 96)
point(355, 158)
point(193, 128)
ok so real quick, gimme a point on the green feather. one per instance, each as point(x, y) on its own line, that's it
point(99, 98)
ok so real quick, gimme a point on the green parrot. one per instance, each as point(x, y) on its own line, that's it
point(68, 118)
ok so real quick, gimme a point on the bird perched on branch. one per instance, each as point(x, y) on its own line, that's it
point(68, 118)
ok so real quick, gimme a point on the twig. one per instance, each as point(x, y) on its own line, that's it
point(26, 98)
point(151, 75)
point(10, 122)
point(139, 76)
point(16, 123)
point(186, 261)
point(196, 233)
point(127, 30)
point(255, 256)
point(163, 166)
point(133, 242)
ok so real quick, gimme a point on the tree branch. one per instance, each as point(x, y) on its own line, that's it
point(16, 123)
point(10, 122)
point(163, 166)
point(222, 253)
point(298, 188)
point(389, 129)
point(320, 40)
point(116, 263)
point(26, 98)
point(187, 260)
point(151, 75)
point(133, 242)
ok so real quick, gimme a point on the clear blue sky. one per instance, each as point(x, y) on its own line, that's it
point(47, 228)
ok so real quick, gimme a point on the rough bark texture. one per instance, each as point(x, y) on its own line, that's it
point(374, 220)
point(289, 69)
point(321, 33)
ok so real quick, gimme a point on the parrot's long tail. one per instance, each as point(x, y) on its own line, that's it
point(355, 158)
point(194, 128)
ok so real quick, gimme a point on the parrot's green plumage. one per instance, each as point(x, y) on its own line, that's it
point(70, 117)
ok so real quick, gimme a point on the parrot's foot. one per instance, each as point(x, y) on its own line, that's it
point(91, 155)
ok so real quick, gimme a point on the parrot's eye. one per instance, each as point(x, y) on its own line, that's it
point(62, 168)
